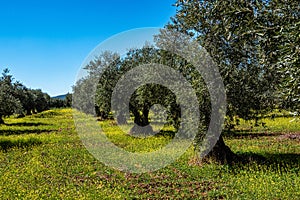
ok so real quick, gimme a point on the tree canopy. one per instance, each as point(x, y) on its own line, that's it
point(9, 103)
point(254, 43)
point(15, 98)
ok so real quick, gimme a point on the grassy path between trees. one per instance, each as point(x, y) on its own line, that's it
point(42, 157)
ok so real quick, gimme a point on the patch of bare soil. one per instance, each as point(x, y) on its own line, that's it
point(290, 136)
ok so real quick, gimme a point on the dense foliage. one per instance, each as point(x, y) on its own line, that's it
point(107, 69)
point(256, 45)
point(9, 103)
point(15, 98)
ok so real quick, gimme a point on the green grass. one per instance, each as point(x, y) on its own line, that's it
point(279, 124)
point(42, 157)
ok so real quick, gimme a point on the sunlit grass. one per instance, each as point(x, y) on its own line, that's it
point(42, 157)
point(271, 124)
point(121, 137)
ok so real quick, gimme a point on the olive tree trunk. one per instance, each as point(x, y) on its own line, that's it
point(1, 120)
point(141, 123)
point(221, 153)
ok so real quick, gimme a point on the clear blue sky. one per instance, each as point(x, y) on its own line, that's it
point(44, 42)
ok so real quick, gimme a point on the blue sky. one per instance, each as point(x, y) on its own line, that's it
point(43, 43)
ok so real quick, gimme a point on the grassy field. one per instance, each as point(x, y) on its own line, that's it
point(42, 157)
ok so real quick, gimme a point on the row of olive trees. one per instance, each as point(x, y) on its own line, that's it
point(254, 43)
point(15, 98)
point(107, 69)
point(65, 102)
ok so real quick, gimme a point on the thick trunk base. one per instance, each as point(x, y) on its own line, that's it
point(28, 112)
point(1, 121)
point(21, 116)
point(121, 120)
point(141, 131)
point(221, 154)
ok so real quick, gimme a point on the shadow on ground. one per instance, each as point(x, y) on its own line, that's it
point(248, 134)
point(23, 131)
point(27, 124)
point(273, 161)
point(6, 144)
point(170, 134)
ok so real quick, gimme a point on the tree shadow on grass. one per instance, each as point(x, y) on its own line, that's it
point(27, 124)
point(170, 134)
point(6, 144)
point(274, 161)
point(23, 131)
point(237, 134)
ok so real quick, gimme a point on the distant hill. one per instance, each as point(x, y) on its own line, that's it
point(62, 97)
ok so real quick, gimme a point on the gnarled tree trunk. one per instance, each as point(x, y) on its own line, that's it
point(221, 153)
point(1, 120)
point(121, 120)
point(28, 112)
point(141, 123)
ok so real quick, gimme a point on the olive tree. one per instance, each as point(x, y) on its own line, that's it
point(248, 40)
point(9, 104)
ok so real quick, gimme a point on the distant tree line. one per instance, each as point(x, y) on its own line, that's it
point(16, 98)
point(65, 102)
